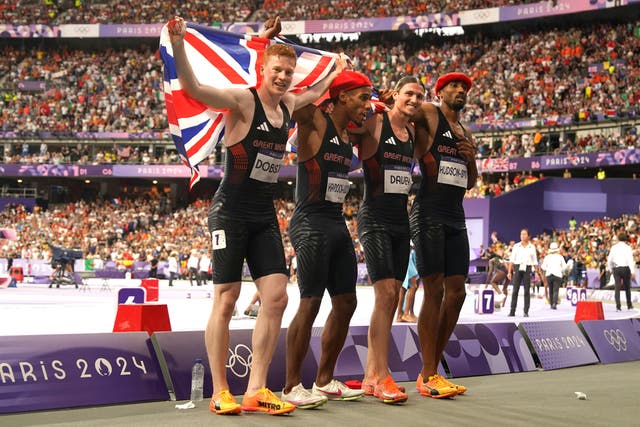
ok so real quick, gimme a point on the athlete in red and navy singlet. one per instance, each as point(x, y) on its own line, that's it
point(242, 218)
point(437, 214)
point(383, 224)
point(326, 257)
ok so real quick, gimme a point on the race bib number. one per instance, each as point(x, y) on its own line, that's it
point(337, 188)
point(452, 172)
point(266, 167)
point(218, 240)
point(397, 181)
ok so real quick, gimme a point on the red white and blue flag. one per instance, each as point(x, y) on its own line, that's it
point(224, 60)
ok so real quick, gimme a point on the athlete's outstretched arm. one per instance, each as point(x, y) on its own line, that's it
point(211, 96)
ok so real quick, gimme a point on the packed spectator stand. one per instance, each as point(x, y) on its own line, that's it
point(587, 72)
point(135, 229)
point(210, 11)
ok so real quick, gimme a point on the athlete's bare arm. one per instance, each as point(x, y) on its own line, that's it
point(369, 136)
point(426, 123)
point(311, 127)
point(232, 99)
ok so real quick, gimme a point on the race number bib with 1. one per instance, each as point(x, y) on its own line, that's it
point(218, 240)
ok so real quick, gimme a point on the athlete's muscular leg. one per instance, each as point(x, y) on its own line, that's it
point(334, 334)
point(409, 315)
point(386, 300)
point(428, 322)
point(454, 295)
point(298, 336)
point(273, 301)
point(217, 332)
point(401, 297)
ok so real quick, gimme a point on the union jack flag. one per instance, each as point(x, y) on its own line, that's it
point(224, 60)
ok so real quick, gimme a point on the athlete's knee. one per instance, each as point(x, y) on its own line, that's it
point(386, 292)
point(224, 300)
point(455, 292)
point(224, 308)
point(345, 303)
point(309, 307)
point(274, 302)
point(434, 290)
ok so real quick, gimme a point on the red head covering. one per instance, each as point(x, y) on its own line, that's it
point(452, 77)
point(348, 80)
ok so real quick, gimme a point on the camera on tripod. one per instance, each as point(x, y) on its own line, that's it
point(62, 260)
point(62, 256)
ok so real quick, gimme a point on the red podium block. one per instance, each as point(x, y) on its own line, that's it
point(142, 317)
point(151, 285)
point(16, 273)
point(589, 310)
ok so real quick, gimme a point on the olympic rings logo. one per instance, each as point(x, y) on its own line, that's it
point(81, 29)
point(240, 360)
point(616, 338)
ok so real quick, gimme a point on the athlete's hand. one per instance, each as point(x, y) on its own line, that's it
point(177, 29)
point(467, 150)
point(272, 27)
point(342, 62)
point(386, 96)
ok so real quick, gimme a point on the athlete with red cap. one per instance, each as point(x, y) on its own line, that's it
point(323, 245)
point(446, 155)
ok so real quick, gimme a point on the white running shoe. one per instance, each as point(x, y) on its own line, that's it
point(303, 398)
point(336, 390)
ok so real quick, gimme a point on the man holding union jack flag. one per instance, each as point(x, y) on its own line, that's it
point(242, 218)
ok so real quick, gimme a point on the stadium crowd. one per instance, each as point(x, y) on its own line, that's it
point(508, 145)
point(584, 72)
point(584, 246)
point(52, 12)
point(353, 9)
point(56, 12)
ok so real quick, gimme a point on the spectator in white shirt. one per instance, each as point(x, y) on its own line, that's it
point(524, 259)
point(173, 267)
point(205, 264)
point(192, 266)
point(622, 265)
point(554, 267)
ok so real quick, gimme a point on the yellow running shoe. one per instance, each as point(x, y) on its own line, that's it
point(461, 389)
point(265, 401)
point(435, 387)
point(388, 391)
point(224, 403)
